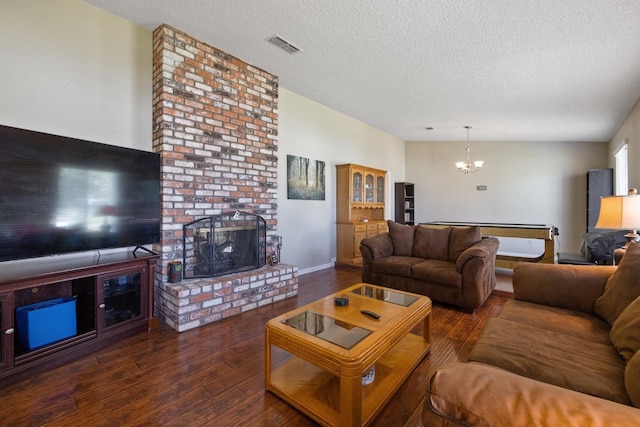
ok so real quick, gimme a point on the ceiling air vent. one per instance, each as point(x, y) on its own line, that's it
point(283, 44)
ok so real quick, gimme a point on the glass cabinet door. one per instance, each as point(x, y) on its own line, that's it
point(369, 190)
point(356, 183)
point(380, 189)
point(6, 330)
point(122, 298)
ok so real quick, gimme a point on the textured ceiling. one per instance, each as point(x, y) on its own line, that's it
point(544, 70)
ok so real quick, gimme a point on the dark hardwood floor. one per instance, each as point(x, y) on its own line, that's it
point(214, 375)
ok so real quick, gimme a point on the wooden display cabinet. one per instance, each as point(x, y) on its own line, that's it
point(360, 210)
point(113, 296)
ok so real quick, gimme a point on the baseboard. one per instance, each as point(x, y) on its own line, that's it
point(503, 294)
point(314, 269)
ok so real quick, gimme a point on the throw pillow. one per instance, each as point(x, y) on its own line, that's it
point(461, 239)
point(402, 238)
point(631, 383)
point(625, 332)
point(431, 243)
point(622, 287)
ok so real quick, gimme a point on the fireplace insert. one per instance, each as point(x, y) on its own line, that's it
point(224, 244)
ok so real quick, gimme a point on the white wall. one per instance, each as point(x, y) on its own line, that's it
point(71, 69)
point(527, 183)
point(309, 129)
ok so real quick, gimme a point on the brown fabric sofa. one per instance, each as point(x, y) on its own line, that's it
point(565, 351)
point(451, 265)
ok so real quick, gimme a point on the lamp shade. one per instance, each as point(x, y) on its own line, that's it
point(619, 212)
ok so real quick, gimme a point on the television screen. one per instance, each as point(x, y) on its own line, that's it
point(60, 195)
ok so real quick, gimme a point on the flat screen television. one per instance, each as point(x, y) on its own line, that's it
point(60, 195)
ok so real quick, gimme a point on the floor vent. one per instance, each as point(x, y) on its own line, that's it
point(283, 44)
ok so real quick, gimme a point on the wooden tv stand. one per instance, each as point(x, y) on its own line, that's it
point(114, 300)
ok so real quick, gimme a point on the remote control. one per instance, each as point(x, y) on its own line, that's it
point(370, 313)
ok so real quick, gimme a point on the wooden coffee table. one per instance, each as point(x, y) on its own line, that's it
point(316, 355)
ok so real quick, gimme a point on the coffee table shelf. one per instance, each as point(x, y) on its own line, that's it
point(324, 380)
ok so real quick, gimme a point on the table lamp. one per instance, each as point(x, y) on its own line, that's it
point(620, 213)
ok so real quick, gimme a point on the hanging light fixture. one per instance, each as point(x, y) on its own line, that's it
point(467, 167)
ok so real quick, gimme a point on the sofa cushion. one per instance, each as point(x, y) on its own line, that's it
point(461, 239)
point(402, 238)
point(631, 383)
point(380, 246)
point(554, 358)
point(431, 243)
point(395, 265)
point(574, 287)
point(625, 332)
point(570, 322)
point(622, 287)
point(472, 394)
point(437, 271)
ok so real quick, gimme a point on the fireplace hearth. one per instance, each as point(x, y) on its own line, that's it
point(224, 244)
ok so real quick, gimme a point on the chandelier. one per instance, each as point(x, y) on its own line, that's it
point(466, 167)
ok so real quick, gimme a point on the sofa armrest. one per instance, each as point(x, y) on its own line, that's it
point(574, 287)
point(477, 264)
point(464, 394)
point(373, 248)
point(486, 248)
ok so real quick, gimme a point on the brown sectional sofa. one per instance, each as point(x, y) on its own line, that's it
point(451, 265)
point(565, 351)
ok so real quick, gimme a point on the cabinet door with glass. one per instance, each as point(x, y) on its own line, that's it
point(7, 328)
point(122, 298)
point(369, 187)
point(357, 186)
point(380, 189)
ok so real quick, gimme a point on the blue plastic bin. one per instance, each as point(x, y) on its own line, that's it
point(46, 322)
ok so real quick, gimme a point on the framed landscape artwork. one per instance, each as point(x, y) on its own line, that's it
point(305, 178)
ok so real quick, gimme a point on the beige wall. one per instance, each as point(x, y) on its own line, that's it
point(71, 69)
point(78, 71)
point(629, 130)
point(527, 182)
point(312, 130)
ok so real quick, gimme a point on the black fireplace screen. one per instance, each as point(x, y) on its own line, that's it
point(224, 244)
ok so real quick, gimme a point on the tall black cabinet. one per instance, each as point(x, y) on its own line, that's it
point(599, 183)
point(404, 203)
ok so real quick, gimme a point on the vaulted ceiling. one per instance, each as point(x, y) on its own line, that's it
point(514, 70)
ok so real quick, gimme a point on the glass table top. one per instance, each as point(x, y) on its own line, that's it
point(385, 295)
point(327, 328)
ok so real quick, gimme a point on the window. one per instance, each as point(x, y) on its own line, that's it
point(622, 170)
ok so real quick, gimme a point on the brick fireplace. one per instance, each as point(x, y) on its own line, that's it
point(215, 124)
